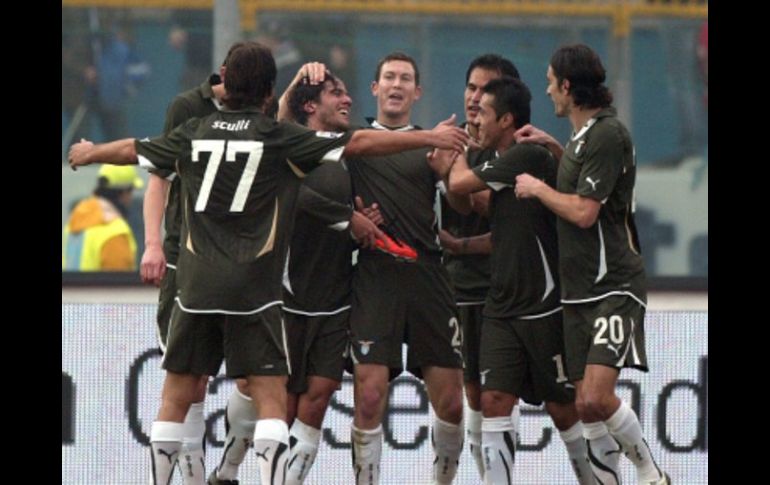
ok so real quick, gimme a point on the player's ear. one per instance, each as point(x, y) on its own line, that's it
point(310, 107)
point(506, 120)
point(417, 92)
point(375, 88)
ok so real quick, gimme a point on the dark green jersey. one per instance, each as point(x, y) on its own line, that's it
point(195, 103)
point(404, 187)
point(239, 172)
point(470, 273)
point(319, 267)
point(599, 163)
point(525, 281)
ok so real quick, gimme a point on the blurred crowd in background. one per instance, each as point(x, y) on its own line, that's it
point(121, 68)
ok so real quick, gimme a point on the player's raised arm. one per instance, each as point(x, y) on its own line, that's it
point(380, 142)
point(119, 152)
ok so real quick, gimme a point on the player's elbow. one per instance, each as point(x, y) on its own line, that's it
point(128, 153)
point(459, 185)
point(588, 214)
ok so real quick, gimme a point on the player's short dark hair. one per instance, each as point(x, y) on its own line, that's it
point(511, 96)
point(398, 56)
point(250, 76)
point(581, 66)
point(493, 62)
point(304, 92)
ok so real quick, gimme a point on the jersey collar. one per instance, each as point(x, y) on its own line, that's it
point(379, 126)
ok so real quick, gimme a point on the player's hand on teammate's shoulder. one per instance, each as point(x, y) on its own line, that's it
point(532, 134)
point(526, 186)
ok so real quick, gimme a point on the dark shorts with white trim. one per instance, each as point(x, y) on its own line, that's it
point(318, 346)
point(249, 344)
point(607, 332)
point(166, 305)
point(471, 318)
point(525, 357)
point(396, 302)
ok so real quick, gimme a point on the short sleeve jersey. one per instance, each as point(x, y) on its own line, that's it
point(599, 163)
point(470, 273)
point(404, 187)
point(525, 281)
point(196, 102)
point(319, 270)
point(239, 172)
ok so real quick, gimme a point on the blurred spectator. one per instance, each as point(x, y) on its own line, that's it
point(334, 46)
point(288, 58)
point(702, 51)
point(75, 67)
point(97, 236)
point(114, 79)
point(192, 33)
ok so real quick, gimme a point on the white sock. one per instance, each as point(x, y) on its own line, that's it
point(603, 453)
point(498, 443)
point(165, 443)
point(624, 427)
point(447, 441)
point(474, 439)
point(367, 450)
point(271, 444)
point(240, 420)
point(192, 461)
point(304, 441)
point(578, 453)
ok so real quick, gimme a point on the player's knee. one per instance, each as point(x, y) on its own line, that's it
point(494, 403)
point(371, 401)
point(593, 407)
point(450, 407)
point(564, 416)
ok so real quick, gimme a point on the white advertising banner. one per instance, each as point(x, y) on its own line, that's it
point(111, 381)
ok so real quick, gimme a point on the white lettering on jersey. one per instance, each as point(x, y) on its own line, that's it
point(593, 184)
point(486, 166)
point(239, 125)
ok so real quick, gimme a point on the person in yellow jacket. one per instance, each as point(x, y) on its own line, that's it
point(97, 236)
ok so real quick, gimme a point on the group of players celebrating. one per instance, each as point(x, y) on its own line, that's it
point(525, 282)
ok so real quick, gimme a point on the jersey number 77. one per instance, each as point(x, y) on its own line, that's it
point(228, 148)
